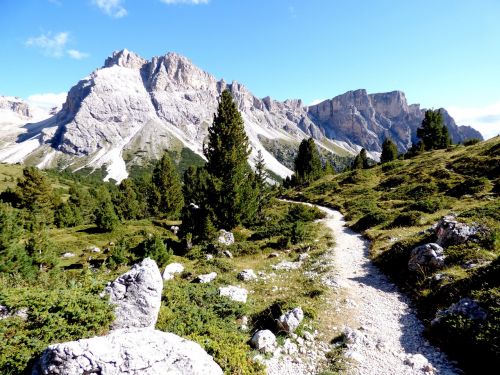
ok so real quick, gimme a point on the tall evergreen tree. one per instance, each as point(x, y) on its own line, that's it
point(105, 215)
point(262, 186)
point(433, 133)
point(167, 188)
point(361, 160)
point(307, 163)
point(389, 151)
point(233, 197)
point(34, 192)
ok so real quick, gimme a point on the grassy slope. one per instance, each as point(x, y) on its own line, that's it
point(394, 203)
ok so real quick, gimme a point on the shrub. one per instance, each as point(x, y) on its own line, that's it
point(302, 212)
point(370, 220)
point(324, 188)
point(422, 191)
point(470, 185)
point(391, 165)
point(154, 248)
point(407, 219)
point(427, 205)
point(393, 181)
point(300, 233)
point(471, 141)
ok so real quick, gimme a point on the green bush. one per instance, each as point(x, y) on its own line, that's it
point(370, 220)
point(197, 312)
point(423, 191)
point(302, 212)
point(393, 182)
point(471, 185)
point(391, 165)
point(407, 219)
point(154, 248)
point(427, 205)
point(471, 141)
point(54, 315)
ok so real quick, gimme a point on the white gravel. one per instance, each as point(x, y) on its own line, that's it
point(384, 335)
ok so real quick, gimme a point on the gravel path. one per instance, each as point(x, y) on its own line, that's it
point(384, 336)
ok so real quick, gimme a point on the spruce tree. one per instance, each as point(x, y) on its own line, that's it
point(389, 151)
point(433, 133)
point(105, 215)
point(167, 188)
point(34, 193)
point(361, 160)
point(307, 163)
point(262, 186)
point(233, 198)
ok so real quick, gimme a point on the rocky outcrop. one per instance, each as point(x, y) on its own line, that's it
point(206, 278)
point(450, 232)
point(137, 296)
point(263, 341)
point(247, 275)
point(290, 320)
point(465, 307)
point(127, 351)
point(234, 293)
point(426, 257)
point(171, 270)
point(225, 237)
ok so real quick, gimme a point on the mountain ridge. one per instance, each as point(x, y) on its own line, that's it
point(132, 109)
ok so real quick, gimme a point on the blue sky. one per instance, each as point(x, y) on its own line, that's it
point(439, 52)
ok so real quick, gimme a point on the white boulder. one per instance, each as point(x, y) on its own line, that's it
point(225, 237)
point(429, 256)
point(171, 270)
point(290, 320)
point(206, 278)
point(234, 293)
point(264, 341)
point(247, 275)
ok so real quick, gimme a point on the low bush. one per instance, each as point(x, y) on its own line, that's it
point(428, 205)
point(471, 141)
point(422, 191)
point(393, 182)
point(370, 220)
point(391, 165)
point(407, 219)
point(470, 185)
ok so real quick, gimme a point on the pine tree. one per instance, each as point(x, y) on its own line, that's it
point(232, 199)
point(105, 215)
point(127, 203)
point(389, 151)
point(41, 249)
point(361, 160)
point(307, 163)
point(433, 133)
point(262, 186)
point(167, 188)
point(34, 193)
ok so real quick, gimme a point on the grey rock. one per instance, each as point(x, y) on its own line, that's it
point(290, 320)
point(273, 255)
point(466, 307)
point(206, 278)
point(137, 296)
point(68, 255)
point(247, 275)
point(264, 341)
point(286, 265)
point(174, 229)
point(225, 237)
point(450, 232)
point(234, 293)
point(5, 313)
point(171, 270)
point(227, 254)
point(426, 257)
point(128, 351)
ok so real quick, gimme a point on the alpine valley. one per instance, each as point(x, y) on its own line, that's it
point(131, 110)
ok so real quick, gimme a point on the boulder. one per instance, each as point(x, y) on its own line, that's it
point(5, 313)
point(68, 255)
point(429, 256)
point(264, 341)
point(206, 278)
point(174, 229)
point(225, 237)
point(273, 255)
point(227, 254)
point(234, 293)
point(286, 265)
point(127, 351)
point(94, 249)
point(466, 307)
point(171, 270)
point(137, 296)
point(450, 232)
point(247, 275)
point(290, 320)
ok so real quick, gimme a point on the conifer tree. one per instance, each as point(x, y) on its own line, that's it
point(34, 192)
point(262, 186)
point(167, 188)
point(361, 160)
point(233, 197)
point(307, 163)
point(433, 133)
point(105, 215)
point(389, 151)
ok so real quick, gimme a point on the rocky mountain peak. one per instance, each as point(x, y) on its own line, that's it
point(15, 105)
point(390, 104)
point(126, 59)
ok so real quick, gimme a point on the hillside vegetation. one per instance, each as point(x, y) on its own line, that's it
point(396, 203)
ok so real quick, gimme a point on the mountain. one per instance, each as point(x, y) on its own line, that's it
point(131, 110)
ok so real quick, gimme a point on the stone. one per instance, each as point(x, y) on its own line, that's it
point(174, 229)
point(227, 254)
point(244, 323)
point(416, 361)
point(234, 293)
point(209, 257)
point(308, 336)
point(68, 255)
point(225, 237)
point(171, 270)
point(289, 347)
point(290, 320)
point(247, 275)
point(303, 257)
point(466, 307)
point(450, 232)
point(130, 351)
point(286, 266)
point(426, 257)
point(5, 313)
point(137, 296)
point(206, 278)
point(264, 341)
point(273, 255)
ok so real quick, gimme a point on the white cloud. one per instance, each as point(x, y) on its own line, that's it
point(485, 119)
point(189, 2)
point(112, 8)
point(50, 45)
point(316, 101)
point(47, 100)
point(77, 55)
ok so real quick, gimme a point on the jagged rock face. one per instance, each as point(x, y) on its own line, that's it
point(367, 119)
point(137, 296)
point(133, 109)
point(127, 351)
point(15, 105)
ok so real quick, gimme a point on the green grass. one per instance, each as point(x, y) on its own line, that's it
point(391, 204)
